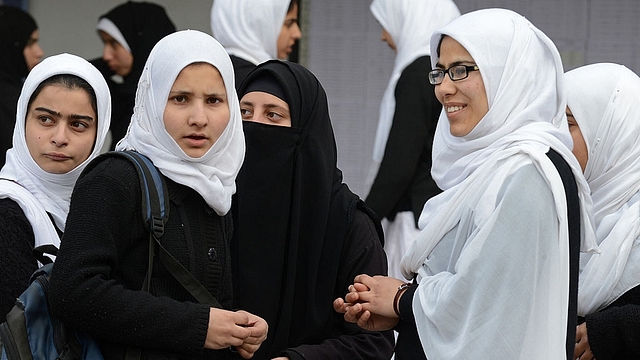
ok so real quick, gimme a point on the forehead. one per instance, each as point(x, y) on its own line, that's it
point(261, 98)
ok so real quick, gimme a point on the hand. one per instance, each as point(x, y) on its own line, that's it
point(259, 329)
point(226, 328)
point(369, 302)
point(583, 349)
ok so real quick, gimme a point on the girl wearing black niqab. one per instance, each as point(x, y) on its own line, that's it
point(16, 27)
point(142, 25)
point(301, 235)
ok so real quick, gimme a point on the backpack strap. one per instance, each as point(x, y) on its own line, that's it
point(573, 210)
point(156, 212)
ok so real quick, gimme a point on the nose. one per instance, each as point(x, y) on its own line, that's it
point(60, 137)
point(446, 87)
point(198, 116)
point(107, 53)
point(297, 33)
point(38, 52)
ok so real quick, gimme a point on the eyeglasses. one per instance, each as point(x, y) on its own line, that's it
point(456, 72)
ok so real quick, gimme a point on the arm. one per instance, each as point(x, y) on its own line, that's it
point(95, 285)
point(364, 254)
point(16, 260)
point(614, 332)
point(407, 157)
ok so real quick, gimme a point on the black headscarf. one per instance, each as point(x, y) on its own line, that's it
point(142, 25)
point(16, 27)
point(292, 214)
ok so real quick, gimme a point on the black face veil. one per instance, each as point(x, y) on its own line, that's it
point(291, 214)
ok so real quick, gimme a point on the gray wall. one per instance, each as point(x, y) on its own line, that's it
point(342, 47)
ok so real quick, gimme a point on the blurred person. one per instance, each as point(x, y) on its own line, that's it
point(254, 31)
point(409, 113)
point(20, 52)
point(128, 33)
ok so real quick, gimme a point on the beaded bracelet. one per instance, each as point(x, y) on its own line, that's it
point(401, 289)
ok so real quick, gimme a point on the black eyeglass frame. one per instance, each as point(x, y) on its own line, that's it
point(467, 68)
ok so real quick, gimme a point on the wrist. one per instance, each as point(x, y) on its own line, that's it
point(396, 300)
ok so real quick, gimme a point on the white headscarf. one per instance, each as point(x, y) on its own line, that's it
point(40, 192)
point(523, 77)
point(410, 24)
point(249, 29)
point(213, 174)
point(604, 101)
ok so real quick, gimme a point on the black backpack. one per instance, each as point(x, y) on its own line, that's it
point(30, 332)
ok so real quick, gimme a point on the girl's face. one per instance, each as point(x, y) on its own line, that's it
point(289, 34)
point(386, 37)
point(579, 145)
point(60, 128)
point(265, 108)
point(117, 57)
point(197, 110)
point(464, 101)
point(32, 51)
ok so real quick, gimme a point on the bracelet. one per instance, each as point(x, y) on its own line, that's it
point(401, 289)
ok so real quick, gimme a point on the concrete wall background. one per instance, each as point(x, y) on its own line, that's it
point(342, 46)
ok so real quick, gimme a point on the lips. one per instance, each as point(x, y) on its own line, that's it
point(57, 156)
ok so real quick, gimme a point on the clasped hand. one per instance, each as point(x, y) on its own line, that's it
point(239, 329)
point(369, 302)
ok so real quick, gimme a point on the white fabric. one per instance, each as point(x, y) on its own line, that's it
point(213, 174)
point(410, 24)
point(523, 78)
point(249, 29)
point(110, 28)
point(35, 190)
point(399, 235)
point(604, 101)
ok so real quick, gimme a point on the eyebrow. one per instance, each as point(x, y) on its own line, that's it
point(187, 92)
point(58, 114)
point(455, 63)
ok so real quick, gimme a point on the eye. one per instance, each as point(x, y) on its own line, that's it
point(214, 100)
point(45, 120)
point(79, 125)
point(247, 114)
point(274, 116)
point(179, 99)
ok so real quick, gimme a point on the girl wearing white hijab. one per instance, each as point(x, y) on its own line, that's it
point(187, 121)
point(603, 114)
point(491, 265)
point(408, 116)
point(63, 115)
point(254, 31)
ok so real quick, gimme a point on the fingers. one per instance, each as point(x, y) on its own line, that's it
point(363, 320)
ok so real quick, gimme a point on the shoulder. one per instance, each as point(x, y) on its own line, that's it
point(415, 78)
point(11, 213)
point(527, 185)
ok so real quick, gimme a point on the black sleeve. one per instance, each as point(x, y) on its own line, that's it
point(614, 333)
point(407, 157)
point(16, 260)
point(364, 256)
point(95, 283)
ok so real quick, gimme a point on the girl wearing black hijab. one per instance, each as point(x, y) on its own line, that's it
point(129, 32)
point(301, 234)
point(20, 53)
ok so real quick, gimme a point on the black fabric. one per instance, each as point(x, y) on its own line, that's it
point(408, 345)
point(103, 259)
point(16, 262)
point(16, 27)
point(573, 209)
point(301, 234)
point(142, 25)
point(614, 332)
point(404, 182)
point(241, 69)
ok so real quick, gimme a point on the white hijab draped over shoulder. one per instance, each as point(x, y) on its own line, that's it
point(249, 29)
point(410, 24)
point(36, 191)
point(213, 174)
point(523, 78)
point(604, 101)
